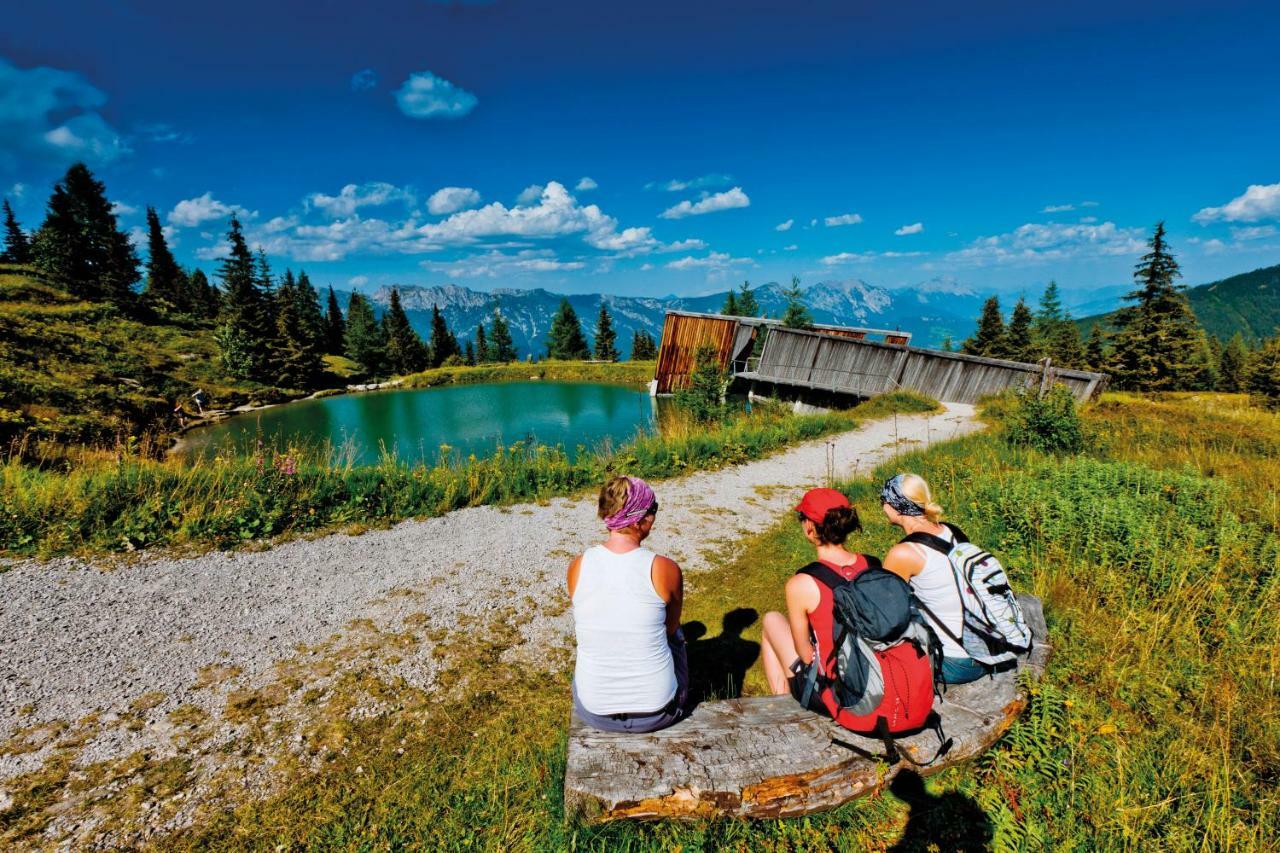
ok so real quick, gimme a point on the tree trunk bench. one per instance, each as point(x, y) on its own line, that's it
point(768, 757)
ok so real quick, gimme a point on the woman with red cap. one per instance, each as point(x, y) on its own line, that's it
point(805, 636)
point(632, 671)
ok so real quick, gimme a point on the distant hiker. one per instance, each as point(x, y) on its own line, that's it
point(198, 397)
point(632, 671)
point(179, 415)
point(871, 675)
point(962, 590)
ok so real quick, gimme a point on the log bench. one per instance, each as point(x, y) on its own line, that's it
point(768, 757)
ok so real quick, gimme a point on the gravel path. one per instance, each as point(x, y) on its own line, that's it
point(76, 638)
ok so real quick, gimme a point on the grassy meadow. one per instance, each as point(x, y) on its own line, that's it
point(1157, 725)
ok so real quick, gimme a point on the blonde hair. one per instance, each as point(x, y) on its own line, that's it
point(915, 488)
point(613, 496)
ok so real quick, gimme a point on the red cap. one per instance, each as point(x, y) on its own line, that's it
point(816, 502)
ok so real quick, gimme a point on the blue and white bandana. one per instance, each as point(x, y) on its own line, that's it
point(891, 493)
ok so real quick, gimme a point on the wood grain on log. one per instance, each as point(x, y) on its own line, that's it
point(768, 757)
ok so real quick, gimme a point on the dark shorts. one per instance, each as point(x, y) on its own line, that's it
point(799, 677)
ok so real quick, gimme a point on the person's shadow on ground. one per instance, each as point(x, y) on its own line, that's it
point(717, 665)
point(951, 822)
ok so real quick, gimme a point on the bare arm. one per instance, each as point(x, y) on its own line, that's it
point(904, 561)
point(802, 599)
point(574, 566)
point(668, 583)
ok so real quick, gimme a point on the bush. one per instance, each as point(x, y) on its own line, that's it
point(703, 400)
point(1049, 423)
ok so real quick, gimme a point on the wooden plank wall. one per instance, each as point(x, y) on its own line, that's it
point(681, 337)
point(865, 368)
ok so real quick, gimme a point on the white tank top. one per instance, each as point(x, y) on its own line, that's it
point(624, 664)
point(935, 586)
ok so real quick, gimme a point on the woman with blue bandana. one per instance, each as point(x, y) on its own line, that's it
point(908, 504)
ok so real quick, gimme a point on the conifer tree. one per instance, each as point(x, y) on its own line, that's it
point(204, 297)
point(502, 348)
point(606, 348)
point(482, 346)
point(747, 304)
point(989, 338)
point(79, 244)
point(947, 345)
point(643, 347)
point(469, 353)
point(730, 307)
point(1233, 364)
point(166, 287)
point(565, 340)
point(364, 342)
point(443, 344)
point(17, 248)
point(1095, 350)
point(796, 315)
point(1262, 377)
point(1019, 344)
point(1050, 311)
point(247, 331)
point(335, 328)
point(405, 351)
point(299, 329)
point(1159, 345)
point(311, 322)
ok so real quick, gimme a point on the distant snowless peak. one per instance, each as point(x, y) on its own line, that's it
point(942, 284)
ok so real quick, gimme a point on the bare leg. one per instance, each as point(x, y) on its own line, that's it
point(777, 652)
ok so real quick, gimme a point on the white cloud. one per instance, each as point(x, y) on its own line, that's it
point(363, 80)
point(452, 199)
point(913, 228)
point(703, 182)
point(119, 208)
point(726, 200)
point(628, 241)
point(163, 132)
point(1257, 232)
point(1088, 220)
point(530, 195)
point(18, 190)
point(1057, 208)
point(858, 257)
point(1039, 242)
point(646, 267)
point(585, 184)
point(51, 116)
point(842, 219)
point(358, 280)
point(713, 261)
point(790, 248)
point(1259, 201)
point(1088, 204)
point(352, 197)
point(493, 264)
point(216, 252)
point(784, 226)
point(205, 208)
point(690, 245)
point(424, 95)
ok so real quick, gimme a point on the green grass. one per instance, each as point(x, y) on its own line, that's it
point(127, 501)
point(620, 373)
point(1157, 725)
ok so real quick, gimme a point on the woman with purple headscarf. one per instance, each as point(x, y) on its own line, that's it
point(632, 673)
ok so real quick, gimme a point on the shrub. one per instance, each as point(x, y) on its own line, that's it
point(1049, 423)
point(704, 398)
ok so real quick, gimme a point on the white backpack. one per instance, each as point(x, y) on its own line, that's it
point(994, 630)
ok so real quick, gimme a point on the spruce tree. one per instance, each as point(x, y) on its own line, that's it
point(1233, 364)
point(203, 295)
point(796, 315)
point(1019, 344)
point(335, 328)
point(643, 347)
point(1063, 344)
point(17, 248)
point(989, 339)
point(166, 289)
point(443, 344)
point(565, 340)
point(730, 307)
point(747, 304)
point(469, 354)
point(1262, 376)
point(502, 348)
point(311, 322)
point(364, 342)
point(482, 346)
point(1050, 311)
point(947, 345)
point(606, 348)
point(247, 331)
point(1159, 345)
point(79, 244)
point(405, 350)
point(1095, 350)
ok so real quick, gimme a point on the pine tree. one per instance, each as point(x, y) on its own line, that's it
point(606, 348)
point(204, 296)
point(1262, 377)
point(1050, 311)
point(565, 340)
point(501, 347)
point(311, 321)
point(299, 328)
point(1159, 343)
point(730, 307)
point(335, 328)
point(1095, 350)
point(482, 346)
point(17, 248)
point(796, 315)
point(947, 345)
point(989, 339)
point(1233, 364)
point(364, 343)
point(643, 347)
point(1019, 344)
point(247, 331)
point(747, 304)
point(443, 344)
point(79, 245)
point(469, 354)
point(405, 351)
point(1062, 344)
point(166, 287)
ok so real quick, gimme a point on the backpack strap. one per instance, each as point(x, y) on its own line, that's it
point(959, 642)
point(892, 751)
point(956, 532)
point(928, 540)
point(824, 575)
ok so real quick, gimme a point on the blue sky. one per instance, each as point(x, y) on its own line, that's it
point(663, 148)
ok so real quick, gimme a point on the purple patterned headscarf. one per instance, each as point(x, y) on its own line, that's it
point(640, 502)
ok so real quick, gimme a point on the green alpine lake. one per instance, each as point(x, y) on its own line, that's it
point(416, 424)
